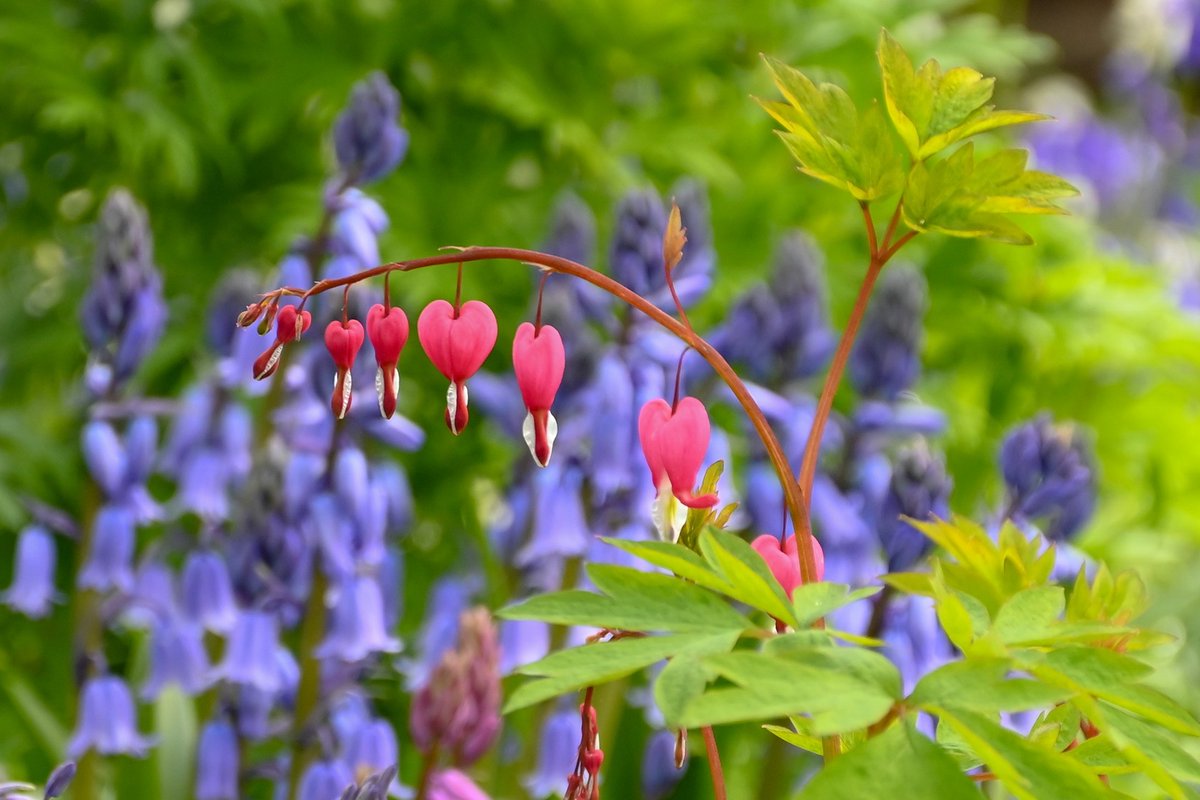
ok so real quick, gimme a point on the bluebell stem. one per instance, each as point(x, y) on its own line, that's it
point(919, 489)
point(367, 138)
point(1050, 478)
point(32, 591)
point(886, 358)
point(123, 312)
point(659, 773)
point(217, 762)
point(107, 720)
point(558, 747)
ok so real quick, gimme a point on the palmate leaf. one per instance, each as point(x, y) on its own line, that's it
point(832, 140)
point(931, 108)
point(968, 197)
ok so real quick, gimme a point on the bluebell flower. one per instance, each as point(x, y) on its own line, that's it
point(919, 489)
point(217, 762)
point(252, 653)
point(333, 532)
point(371, 749)
point(367, 137)
point(560, 526)
point(107, 720)
point(358, 221)
point(351, 479)
point(557, 750)
point(693, 275)
point(896, 419)
point(522, 642)
point(109, 565)
point(391, 584)
point(324, 780)
point(393, 482)
point(612, 413)
point(572, 236)
point(357, 629)
point(143, 329)
point(32, 591)
point(659, 774)
point(104, 455)
point(635, 253)
point(153, 598)
point(915, 641)
point(1049, 474)
point(177, 656)
point(206, 596)
point(203, 484)
point(59, 780)
point(886, 357)
point(448, 599)
point(253, 713)
point(302, 478)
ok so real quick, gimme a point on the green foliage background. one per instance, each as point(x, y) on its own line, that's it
point(215, 114)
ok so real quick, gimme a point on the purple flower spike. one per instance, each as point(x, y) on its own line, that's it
point(324, 780)
point(177, 655)
point(1050, 477)
point(59, 780)
point(32, 590)
point(358, 629)
point(350, 479)
point(217, 762)
point(105, 456)
point(367, 138)
point(207, 596)
point(450, 784)
point(107, 721)
point(886, 357)
point(251, 657)
point(556, 754)
point(920, 489)
point(110, 562)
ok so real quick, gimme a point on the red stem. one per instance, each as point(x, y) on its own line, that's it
point(791, 489)
point(714, 762)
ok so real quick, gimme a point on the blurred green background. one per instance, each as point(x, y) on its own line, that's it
point(215, 113)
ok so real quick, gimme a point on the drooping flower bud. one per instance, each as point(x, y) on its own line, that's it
point(781, 559)
point(539, 361)
point(388, 331)
point(343, 340)
point(290, 325)
point(457, 342)
point(674, 441)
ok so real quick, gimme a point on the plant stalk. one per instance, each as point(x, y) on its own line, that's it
point(714, 762)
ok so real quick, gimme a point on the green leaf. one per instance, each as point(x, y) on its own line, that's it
point(635, 601)
point(681, 560)
point(909, 582)
point(831, 140)
point(601, 662)
point(175, 727)
point(838, 695)
point(960, 196)
point(1028, 771)
point(898, 762)
point(1030, 614)
point(680, 681)
point(932, 109)
point(815, 600)
point(747, 575)
point(811, 744)
point(44, 727)
point(983, 685)
point(1157, 753)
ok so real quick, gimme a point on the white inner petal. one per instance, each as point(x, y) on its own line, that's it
point(345, 406)
point(452, 403)
point(272, 361)
point(379, 389)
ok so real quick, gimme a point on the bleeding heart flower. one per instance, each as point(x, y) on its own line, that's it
point(290, 324)
point(781, 559)
point(388, 330)
point(674, 442)
point(457, 342)
point(538, 361)
point(343, 339)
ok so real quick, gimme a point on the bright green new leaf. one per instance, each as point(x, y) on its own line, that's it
point(962, 196)
point(680, 681)
point(1030, 614)
point(831, 140)
point(1157, 753)
point(931, 108)
point(983, 685)
point(803, 741)
point(1101, 755)
point(1028, 771)
point(746, 574)
point(681, 560)
point(815, 600)
point(898, 762)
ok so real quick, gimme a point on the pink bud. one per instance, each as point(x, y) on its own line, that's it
point(388, 330)
point(781, 560)
point(289, 326)
point(343, 340)
point(457, 344)
point(674, 443)
point(538, 361)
